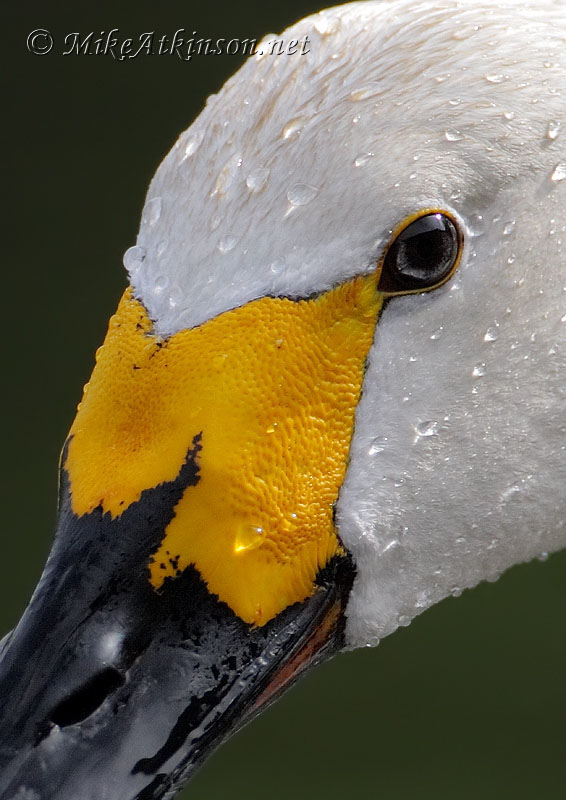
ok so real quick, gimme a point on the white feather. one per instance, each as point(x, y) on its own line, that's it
point(293, 178)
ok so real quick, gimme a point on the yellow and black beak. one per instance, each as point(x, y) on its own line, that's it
point(111, 689)
point(196, 570)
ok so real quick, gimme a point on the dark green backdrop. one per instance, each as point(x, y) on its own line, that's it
point(470, 701)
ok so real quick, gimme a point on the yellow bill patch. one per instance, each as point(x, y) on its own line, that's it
point(272, 388)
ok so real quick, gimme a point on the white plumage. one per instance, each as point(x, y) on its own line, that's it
point(293, 178)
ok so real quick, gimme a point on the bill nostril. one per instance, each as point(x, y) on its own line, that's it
point(84, 701)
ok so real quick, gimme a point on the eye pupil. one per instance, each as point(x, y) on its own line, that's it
point(422, 256)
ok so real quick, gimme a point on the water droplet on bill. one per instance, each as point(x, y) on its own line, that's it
point(249, 537)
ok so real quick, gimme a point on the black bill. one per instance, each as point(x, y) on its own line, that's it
point(110, 690)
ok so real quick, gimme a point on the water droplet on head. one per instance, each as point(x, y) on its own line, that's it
point(509, 114)
point(257, 179)
point(437, 333)
point(403, 620)
point(455, 591)
point(301, 194)
point(495, 77)
point(509, 227)
point(277, 266)
point(476, 224)
point(465, 32)
point(543, 556)
point(558, 173)
point(428, 428)
point(553, 129)
point(453, 135)
point(479, 370)
point(326, 26)
point(152, 210)
point(362, 159)
point(161, 248)
point(377, 446)
point(161, 283)
point(192, 144)
point(370, 90)
point(133, 258)
point(391, 546)
point(509, 493)
point(490, 335)
point(293, 128)
point(227, 243)
point(228, 174)
point(175, 297)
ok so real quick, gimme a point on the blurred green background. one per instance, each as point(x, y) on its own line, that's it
point(470, 700)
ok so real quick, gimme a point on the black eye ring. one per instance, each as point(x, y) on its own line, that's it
point(423, 254)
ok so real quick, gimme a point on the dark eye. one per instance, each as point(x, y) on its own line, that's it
point(423, 255)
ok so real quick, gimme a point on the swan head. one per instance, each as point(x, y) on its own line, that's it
point(295, 440)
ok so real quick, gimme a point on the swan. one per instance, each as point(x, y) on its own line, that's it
point(339, 361)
